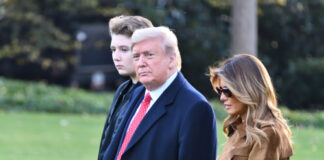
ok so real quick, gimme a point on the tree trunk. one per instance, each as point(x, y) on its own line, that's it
point(244, 27)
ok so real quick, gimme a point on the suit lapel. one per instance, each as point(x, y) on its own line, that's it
point(157, 111)
point(150, 118)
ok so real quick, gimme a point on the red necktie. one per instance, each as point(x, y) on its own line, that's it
point(134, 124)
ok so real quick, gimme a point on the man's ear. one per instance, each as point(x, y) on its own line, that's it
point(173, 60)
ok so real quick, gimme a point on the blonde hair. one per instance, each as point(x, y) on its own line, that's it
point(249, 81)
point(126, 25)
point(169, 40)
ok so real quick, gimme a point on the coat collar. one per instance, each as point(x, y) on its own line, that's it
point(121, 91)
point(112, 149)
point(239, 127)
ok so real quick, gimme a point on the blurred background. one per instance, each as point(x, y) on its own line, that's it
point(57, 77)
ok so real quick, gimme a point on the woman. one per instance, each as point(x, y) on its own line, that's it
point(255, 127)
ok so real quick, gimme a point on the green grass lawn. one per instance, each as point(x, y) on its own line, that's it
point(39, 136)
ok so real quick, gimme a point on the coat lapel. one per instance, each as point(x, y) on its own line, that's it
point(157, 111)
point(118, 98)
point(112, 149)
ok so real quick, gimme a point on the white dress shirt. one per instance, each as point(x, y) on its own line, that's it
point(155, 94)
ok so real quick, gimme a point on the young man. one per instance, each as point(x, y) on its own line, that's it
point(121, 29)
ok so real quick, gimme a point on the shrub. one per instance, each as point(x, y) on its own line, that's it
point(304, 87)
point(295, 117)
point(31, 96)
point(40, 97)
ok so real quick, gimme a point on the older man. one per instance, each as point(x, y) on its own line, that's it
point(170, 120)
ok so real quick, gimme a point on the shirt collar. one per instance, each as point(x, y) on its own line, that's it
point(155, 94)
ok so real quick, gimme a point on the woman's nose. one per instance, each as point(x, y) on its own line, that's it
point(222, 97)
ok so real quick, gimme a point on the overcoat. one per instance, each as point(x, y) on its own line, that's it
point(235, 147)
point(181, 125)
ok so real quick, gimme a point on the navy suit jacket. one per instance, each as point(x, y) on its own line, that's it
point(181, 125)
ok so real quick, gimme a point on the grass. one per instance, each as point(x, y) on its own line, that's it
point(38, 136)
point(308, 143)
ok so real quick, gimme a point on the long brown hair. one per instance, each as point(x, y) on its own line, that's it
point(249, 81)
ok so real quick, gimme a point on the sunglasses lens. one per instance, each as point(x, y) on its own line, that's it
point(226, 91)
point(219, 90)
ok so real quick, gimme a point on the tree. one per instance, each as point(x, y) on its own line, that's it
point(244, 27)
point(38, 37)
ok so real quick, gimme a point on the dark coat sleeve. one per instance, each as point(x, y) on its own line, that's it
point(198, 136)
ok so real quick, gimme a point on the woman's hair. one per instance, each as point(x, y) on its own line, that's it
point(126, 25)
point(169, 40)
point(249, 81)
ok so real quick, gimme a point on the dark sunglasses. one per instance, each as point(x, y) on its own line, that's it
point(224, 90)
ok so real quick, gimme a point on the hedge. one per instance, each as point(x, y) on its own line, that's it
point(298, 118)
point(18, 95)
point(31, 96)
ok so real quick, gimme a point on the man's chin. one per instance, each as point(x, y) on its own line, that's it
point(144, 80)
point(123, 73)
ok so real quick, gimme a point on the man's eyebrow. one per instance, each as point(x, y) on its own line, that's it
point(145, 51)
point(123, 46)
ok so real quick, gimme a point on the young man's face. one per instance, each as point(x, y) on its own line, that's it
point(122, 55)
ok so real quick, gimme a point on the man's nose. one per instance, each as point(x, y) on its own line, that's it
point(141, 60)
point(116, 55)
